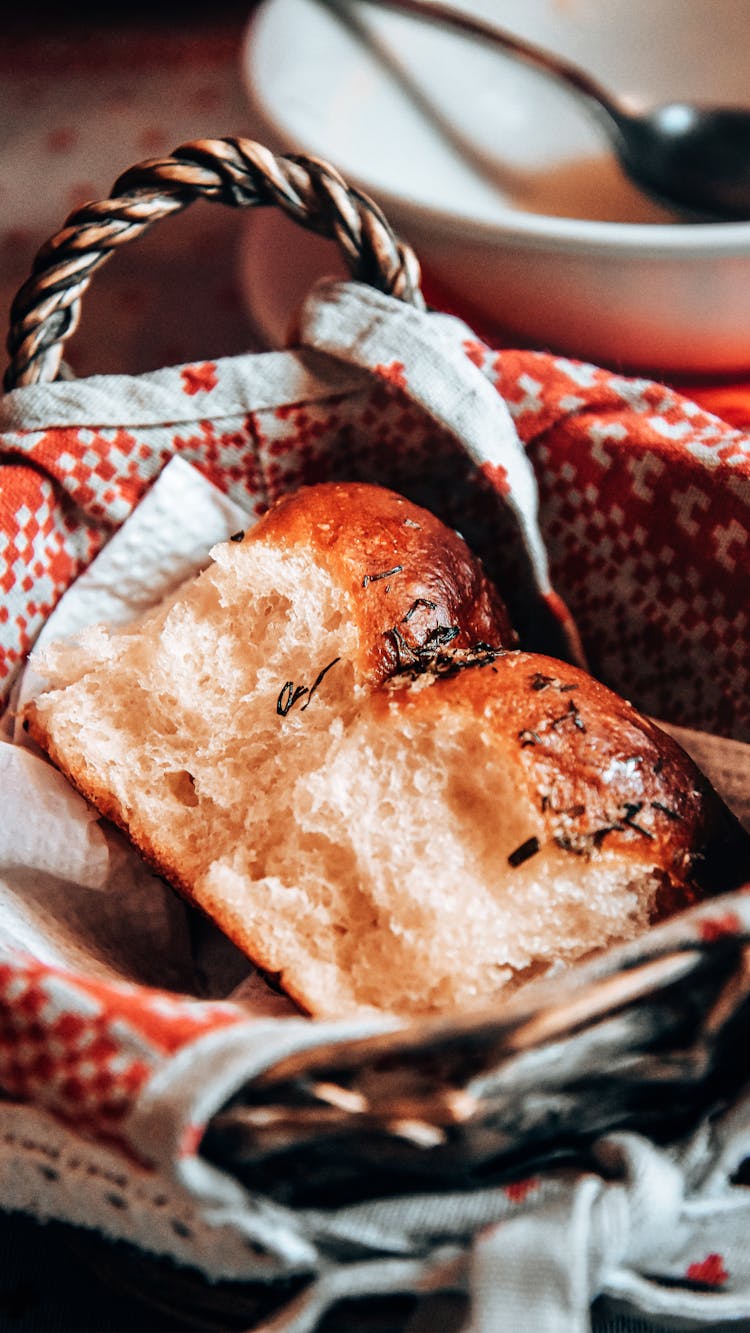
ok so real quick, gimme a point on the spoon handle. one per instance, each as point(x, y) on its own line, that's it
point(557, 67)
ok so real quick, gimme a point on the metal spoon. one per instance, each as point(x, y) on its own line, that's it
point(691, 158)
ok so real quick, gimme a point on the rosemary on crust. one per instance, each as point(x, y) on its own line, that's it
point(633, 808)
point(666, 810)
point(429, 656)
point(529, 737)
point(527, 849)
point(539, 681)
point(288, 697)
point(571, 714)
point(583, 842)
point(290, 694)
point(418, 601)
point(535, 735)
point(316, 682)
point(384, 574)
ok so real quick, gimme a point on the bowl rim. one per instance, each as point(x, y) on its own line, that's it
point(687, 240)
point(522, 229)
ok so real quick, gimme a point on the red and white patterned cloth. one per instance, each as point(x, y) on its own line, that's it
point(586, 492)
point(644, 499)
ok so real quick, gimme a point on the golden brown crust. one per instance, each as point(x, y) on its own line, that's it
point(598, 772)
point(414, 586)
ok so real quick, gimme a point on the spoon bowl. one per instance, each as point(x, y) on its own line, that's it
point(691, 157)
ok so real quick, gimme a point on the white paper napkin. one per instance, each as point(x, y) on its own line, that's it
point(54, 850)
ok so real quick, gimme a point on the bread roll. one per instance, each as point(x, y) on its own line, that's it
point(411, 584)
point(413, 844)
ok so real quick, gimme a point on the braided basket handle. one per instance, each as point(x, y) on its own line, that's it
point(238, 172)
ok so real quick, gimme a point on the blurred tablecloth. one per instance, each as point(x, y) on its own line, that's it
point(85, 93)
point(82, 99)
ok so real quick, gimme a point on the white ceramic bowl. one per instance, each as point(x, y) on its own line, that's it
point(501, 181)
